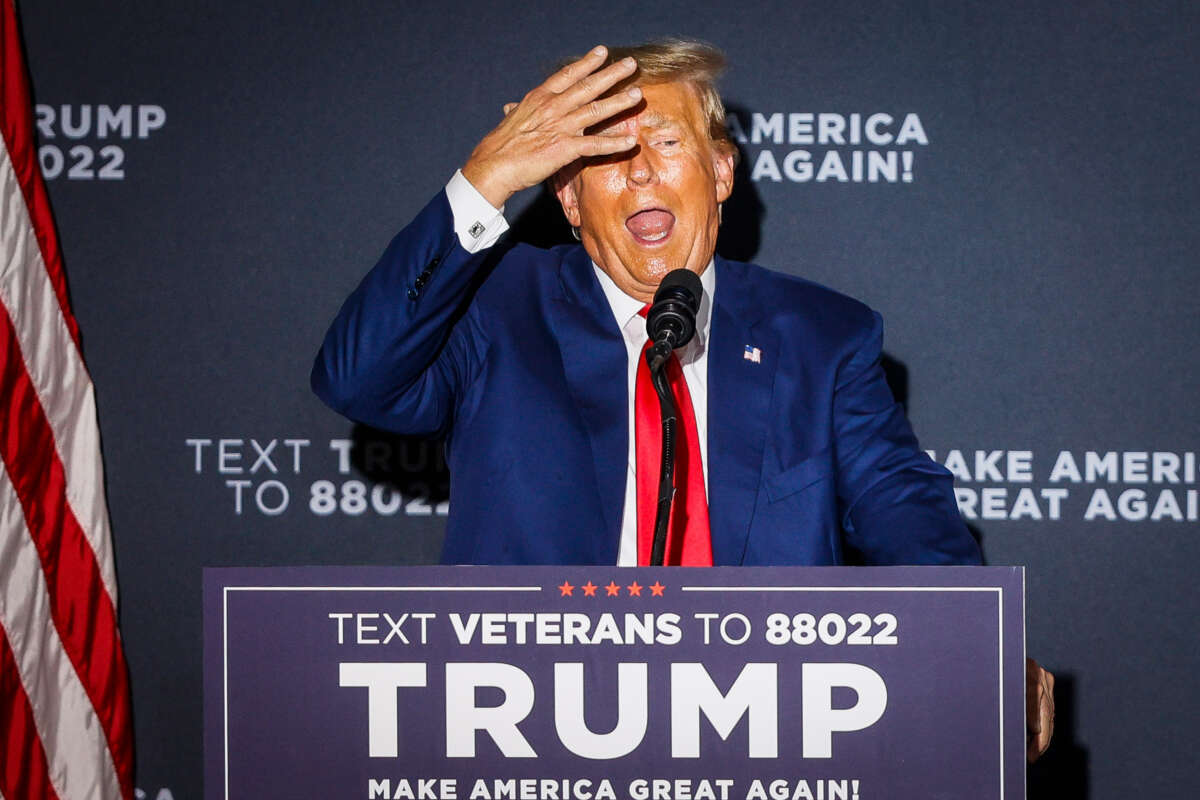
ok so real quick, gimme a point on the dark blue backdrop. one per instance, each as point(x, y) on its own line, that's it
point(1037, 273)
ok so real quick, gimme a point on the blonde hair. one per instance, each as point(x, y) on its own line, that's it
point(676, 60)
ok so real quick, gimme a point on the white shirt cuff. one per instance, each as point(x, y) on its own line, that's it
point(476, 221)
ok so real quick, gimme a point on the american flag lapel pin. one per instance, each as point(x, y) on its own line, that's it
point(752, 354)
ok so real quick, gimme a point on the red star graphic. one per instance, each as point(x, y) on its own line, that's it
point(590, 588)
point(566, 588)
point(657, 589)
point(612, 589)
point(635, 588)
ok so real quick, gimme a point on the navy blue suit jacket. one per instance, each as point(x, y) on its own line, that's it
point(523, 369)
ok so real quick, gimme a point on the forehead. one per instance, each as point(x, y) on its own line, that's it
point(664, 104)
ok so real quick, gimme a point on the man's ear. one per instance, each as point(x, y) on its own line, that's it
point(563, 182)
point(723, 169)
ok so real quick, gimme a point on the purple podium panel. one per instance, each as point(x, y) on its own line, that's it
point(586, 683)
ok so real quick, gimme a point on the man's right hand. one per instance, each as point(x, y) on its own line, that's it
point(545, 131)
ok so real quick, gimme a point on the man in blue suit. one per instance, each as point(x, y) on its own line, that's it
point(526, 359)
point(527, 372)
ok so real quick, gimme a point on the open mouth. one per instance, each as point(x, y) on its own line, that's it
point(651, 226)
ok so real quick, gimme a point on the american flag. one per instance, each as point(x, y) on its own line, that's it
point(65, 725)
point(753, 354)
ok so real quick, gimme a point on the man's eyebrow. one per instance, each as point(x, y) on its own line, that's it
point(647, 119)
point(653, 119)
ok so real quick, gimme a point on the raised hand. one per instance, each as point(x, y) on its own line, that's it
point(545, 131)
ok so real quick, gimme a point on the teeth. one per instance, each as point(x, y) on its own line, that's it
point(655, 237)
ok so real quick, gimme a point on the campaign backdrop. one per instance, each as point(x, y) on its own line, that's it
point(1012, 185)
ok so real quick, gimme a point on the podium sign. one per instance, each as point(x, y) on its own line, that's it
point(585, 683)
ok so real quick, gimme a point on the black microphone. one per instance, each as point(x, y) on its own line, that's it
point(671, 323)
point(671, 320)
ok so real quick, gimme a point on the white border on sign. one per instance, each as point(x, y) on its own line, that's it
point(225, 590)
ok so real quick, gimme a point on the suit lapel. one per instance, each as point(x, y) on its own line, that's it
point(739, 401)
point(593, 355)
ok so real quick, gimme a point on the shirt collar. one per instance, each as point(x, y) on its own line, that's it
point(625, 308)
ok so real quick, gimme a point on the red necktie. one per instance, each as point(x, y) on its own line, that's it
point(689, 540)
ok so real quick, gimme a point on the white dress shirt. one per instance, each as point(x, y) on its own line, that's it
point(479, 225)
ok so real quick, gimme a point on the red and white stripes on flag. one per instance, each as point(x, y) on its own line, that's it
point(65, 725)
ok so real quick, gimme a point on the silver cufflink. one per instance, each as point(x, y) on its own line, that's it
point(476, 230)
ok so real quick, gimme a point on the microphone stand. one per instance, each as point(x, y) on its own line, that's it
point(656, 359)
